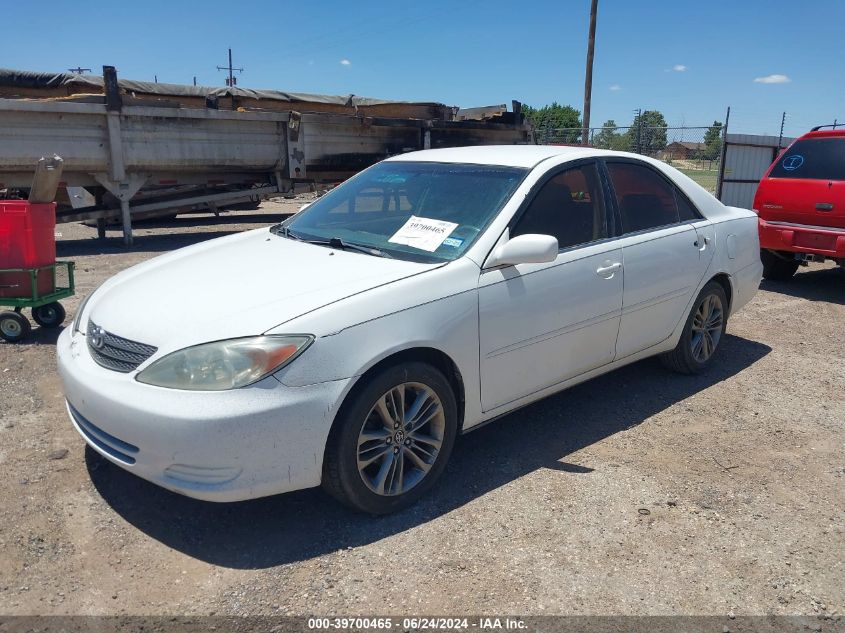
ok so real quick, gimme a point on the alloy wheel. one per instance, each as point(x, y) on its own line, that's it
point(401, 438)
point(707, 328)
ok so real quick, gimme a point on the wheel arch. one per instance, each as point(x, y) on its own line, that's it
point(429, 355)
point(724, 280)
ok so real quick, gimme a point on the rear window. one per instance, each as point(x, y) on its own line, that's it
point(812, 158)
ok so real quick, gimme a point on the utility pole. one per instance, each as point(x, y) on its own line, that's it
point(79, 70)
point(231, 81)
point(588, 75)
point(639, 119)
point(782, 122)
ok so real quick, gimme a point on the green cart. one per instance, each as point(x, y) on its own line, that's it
point(38, 289)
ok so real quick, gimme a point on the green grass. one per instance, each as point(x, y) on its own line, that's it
point(707, 178)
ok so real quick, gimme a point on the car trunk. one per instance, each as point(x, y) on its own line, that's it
point(802, 201)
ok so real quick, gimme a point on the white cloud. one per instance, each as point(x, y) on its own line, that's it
point(345, 62)
point(679, 68)
point(616, 87)
point(772, 79)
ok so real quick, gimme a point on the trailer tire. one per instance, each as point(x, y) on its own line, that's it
point(49, 315)
point(13, 326)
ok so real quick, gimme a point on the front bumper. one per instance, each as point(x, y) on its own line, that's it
point(802, 238)
point(260, 440)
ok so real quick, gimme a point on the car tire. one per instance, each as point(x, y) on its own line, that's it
point(13, 326)
point(49, 315)
point(775, 268)
point(379, 462)
point(703, 332)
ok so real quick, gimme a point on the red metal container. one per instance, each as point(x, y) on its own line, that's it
point(27, 240)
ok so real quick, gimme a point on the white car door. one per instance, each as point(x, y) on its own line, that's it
point(664, 256)
point(540, 324)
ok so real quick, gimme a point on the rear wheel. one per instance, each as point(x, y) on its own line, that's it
point(777, 267)
point(49, 315)
point(13, 326)
point(392, 439)
point(702, 333)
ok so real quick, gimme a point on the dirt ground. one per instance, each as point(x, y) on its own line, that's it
point(640, 492)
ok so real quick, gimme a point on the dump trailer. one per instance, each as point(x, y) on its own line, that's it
point(143, 149)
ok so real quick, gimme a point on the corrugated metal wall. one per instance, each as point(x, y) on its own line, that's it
point(747, 157)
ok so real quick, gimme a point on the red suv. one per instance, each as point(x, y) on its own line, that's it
point(801, 204)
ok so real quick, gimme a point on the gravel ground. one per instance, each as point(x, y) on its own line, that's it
point(640, 492)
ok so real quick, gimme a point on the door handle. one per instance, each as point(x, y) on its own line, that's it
point(608, 271)
point(702, 243)
point(824, 206)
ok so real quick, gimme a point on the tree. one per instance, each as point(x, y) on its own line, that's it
point(609, 138)
point(713, 141)
point(555, 123)
point(647, 134)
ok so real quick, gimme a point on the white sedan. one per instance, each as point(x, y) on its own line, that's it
point(433, 292)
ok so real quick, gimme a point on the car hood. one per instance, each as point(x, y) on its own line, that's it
point(241, 285)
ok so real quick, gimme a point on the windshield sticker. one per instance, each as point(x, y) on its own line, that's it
point(452, 241)
point(793, 162)
point(423, 233)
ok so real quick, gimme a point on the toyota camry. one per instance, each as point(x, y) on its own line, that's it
point(349, 345)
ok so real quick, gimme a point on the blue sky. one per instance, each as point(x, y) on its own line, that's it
point(690, 60)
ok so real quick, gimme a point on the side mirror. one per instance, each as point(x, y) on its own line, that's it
point(525, 249)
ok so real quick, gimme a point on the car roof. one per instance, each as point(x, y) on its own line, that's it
point(839, 132)
point(505, 155)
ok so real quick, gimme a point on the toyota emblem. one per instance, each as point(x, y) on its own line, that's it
point(98, 337)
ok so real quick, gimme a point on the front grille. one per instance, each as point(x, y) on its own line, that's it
point(114, 352)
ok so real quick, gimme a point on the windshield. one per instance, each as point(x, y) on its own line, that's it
point(813, 158)
point(428, 212)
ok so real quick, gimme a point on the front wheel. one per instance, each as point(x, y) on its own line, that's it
point(775, 267)
point(392, 439)
point(702, 333)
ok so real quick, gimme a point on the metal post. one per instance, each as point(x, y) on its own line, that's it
point(127, 222)
point(114, 102)
point(588, 75)
point(639, 129)
point(724, 153)
point(782, 122)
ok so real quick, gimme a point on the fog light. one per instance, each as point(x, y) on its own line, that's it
point(201, 474)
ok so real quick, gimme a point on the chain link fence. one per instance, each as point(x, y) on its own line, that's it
point(695, 151)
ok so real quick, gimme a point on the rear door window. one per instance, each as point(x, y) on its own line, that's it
point(646, 200)
point(812, 158)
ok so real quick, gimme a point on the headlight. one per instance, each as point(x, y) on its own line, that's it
point(225, 364)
